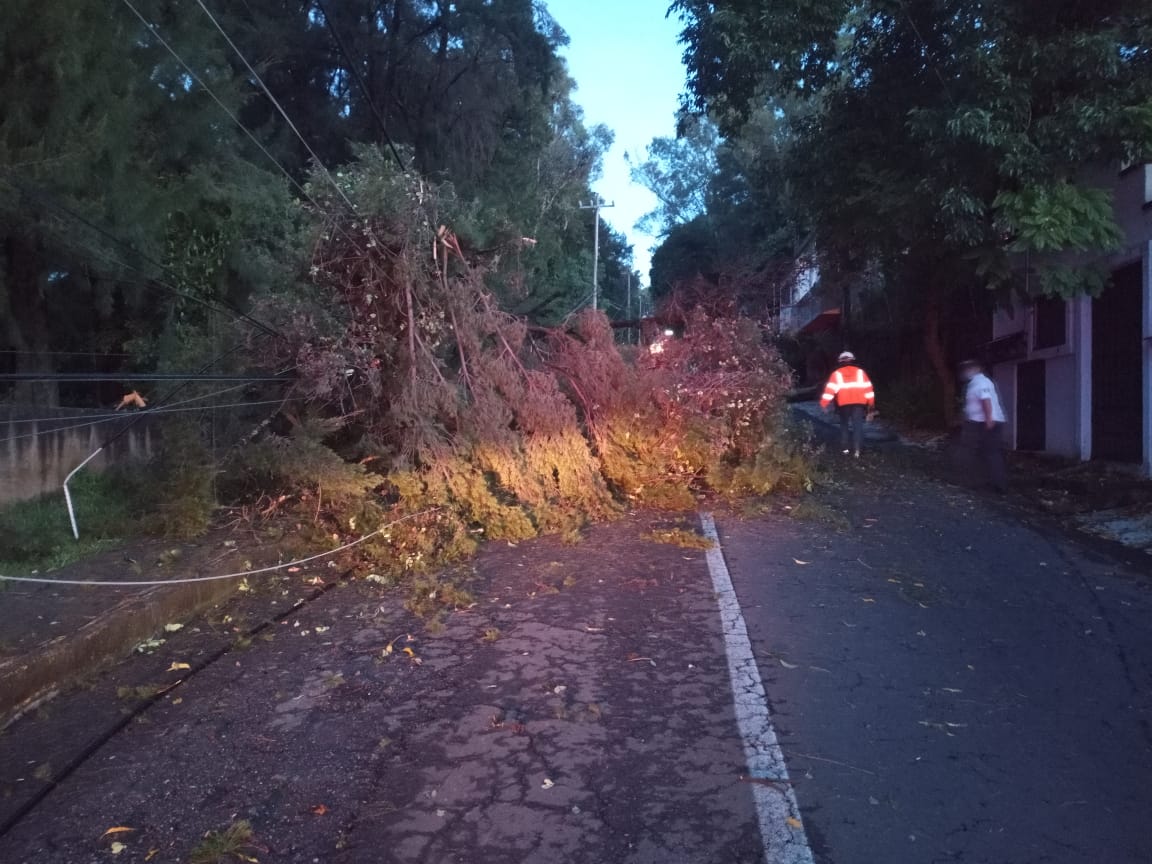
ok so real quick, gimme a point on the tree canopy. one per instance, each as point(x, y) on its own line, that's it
point(149, 177)
point(937, 142)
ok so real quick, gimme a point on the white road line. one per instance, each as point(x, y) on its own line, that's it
point(781, 827)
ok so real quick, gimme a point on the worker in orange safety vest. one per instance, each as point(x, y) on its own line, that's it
point(852, 391)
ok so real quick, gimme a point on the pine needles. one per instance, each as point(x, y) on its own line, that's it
point(435, 398)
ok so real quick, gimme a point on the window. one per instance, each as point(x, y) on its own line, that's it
point(1051, 323)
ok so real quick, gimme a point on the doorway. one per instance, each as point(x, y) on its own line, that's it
point(1117, 368)
point(1031, 406)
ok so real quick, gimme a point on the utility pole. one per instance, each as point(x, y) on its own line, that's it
point(628, 315)
point(596, 205)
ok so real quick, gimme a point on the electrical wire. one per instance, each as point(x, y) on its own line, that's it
point(75, 377)
point(154, 30)
point(20, 353)
point(354, 68)
point(222, 576)
point(160, 409)
point(280, 108)
point(223, 107)
point(109, 418)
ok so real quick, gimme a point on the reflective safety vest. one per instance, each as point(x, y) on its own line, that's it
point(848, 385)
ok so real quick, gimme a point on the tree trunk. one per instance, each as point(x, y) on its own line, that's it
point(937, 355)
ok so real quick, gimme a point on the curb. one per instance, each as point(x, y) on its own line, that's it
point(37, 675)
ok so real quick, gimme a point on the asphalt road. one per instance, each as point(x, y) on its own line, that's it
point(946, 682)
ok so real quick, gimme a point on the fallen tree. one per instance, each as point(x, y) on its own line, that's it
point(426, 398)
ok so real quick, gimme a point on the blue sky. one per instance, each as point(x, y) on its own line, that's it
point(627, 64)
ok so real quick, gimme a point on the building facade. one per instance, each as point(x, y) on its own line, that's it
point(1076, 375)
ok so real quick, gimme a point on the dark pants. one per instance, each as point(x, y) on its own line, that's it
point(984, 454)
point(851, 416)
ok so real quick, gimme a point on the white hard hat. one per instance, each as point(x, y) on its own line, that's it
point(846, 357)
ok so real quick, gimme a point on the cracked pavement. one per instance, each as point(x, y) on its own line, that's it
point(948, 684)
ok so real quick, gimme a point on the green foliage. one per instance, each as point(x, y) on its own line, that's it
point(36, 534)
point(230, 846)
point(180, 487)
point(1059, 217)
point(477, 426)
point(942, 145)
point(295, 462)
point(679, 172)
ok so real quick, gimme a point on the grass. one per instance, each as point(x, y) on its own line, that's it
point(232, 844)
point(36, 535)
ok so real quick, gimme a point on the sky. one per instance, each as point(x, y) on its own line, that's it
point(626, 60)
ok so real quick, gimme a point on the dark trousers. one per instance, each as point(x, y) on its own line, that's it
point(984, 453)
point(851, 417)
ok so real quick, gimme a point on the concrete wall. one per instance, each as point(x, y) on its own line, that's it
point(1061, 406)
point(36, 457)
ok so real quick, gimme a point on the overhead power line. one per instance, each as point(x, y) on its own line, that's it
point(280, 108)
point(22, 353)
point(223, 107)
point(108, 418)
point(154, 30)
point(354, 68)
point(74, 377)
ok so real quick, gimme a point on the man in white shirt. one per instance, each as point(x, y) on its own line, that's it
point(983, 433)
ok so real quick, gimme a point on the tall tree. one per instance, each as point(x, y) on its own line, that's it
point(948, 136)
point(115, 161)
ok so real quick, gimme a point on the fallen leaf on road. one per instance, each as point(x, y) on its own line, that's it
point(177, 700)
point(322, 629)
point(787, 665)
point(547, 784)
point(801, 563)
point(293, 569)
point(177, 667)
point(793, 822)
point(152, 853)
point(872, 801)
point(319, 810)
point(117, 848)
point(172, 628)
point(118, 829)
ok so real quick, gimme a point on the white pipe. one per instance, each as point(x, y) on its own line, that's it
point(68, 494)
